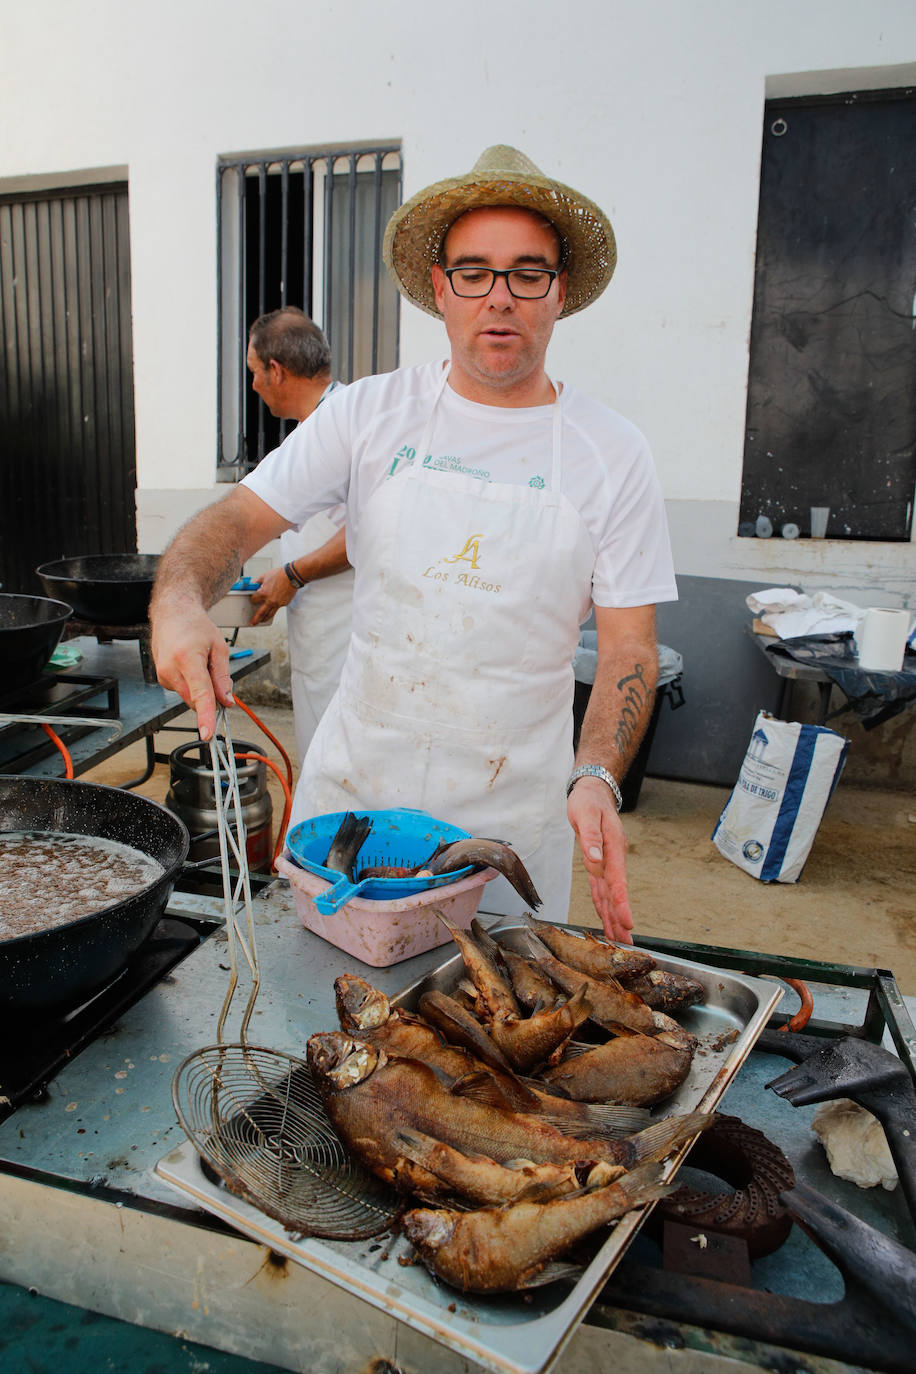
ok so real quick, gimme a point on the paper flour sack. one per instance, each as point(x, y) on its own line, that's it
point(769, 822)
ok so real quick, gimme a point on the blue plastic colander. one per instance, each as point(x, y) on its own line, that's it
point(401, 837)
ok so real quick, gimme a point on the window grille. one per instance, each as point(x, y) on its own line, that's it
point(301, 228)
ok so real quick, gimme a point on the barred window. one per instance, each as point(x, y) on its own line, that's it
point(301, 228)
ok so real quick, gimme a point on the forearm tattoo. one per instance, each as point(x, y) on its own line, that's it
point(635, 696)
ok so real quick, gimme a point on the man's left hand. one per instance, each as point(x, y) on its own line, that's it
point(592, 814)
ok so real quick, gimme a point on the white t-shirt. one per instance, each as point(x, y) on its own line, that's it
point(360, 436)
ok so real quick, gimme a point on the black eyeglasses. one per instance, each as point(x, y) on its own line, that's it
point(525, 283)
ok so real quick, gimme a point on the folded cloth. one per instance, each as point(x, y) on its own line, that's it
point(65, 656)
point(793, 614)
point(874, 696)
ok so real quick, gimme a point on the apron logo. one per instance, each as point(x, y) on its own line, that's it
point(469, 553)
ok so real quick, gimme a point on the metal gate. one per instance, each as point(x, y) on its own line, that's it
point(67, 455)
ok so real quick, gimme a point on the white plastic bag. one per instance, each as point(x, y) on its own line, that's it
point(769, 822)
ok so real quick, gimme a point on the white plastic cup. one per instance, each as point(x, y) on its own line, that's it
point(819, 517)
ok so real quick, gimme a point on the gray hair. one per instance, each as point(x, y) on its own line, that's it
point(290, 338)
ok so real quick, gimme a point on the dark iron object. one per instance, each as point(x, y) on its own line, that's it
point(872, 1326)
point(758, 1172)
point(657, 1305)
point(30, 631)
point(57, 693)
point(107, 589)
point(107, 634)
point(871, 1076)
point(721, 1257)
point(884, 1268)
point(61, 967)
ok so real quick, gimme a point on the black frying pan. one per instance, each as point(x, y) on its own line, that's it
point(103, 588)
point(30, 631)
point(59, 968)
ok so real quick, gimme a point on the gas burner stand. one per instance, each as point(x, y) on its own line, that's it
point(109, 634)
point(111, 683)
point(85, 1217)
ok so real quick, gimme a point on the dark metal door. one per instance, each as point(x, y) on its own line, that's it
point(67, 454)
point(831, 417)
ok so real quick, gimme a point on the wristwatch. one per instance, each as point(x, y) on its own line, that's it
point(594, 770)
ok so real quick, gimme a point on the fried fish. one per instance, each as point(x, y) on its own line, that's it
point(484, 1183)
point(630, 1067)
point(487, 854)
point(596, 957)
point(502, 1249)
point(369, 1098)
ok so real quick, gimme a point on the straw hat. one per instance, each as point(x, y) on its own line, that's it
point(501, 176)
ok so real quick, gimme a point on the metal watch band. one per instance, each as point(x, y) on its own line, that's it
point(594, 770)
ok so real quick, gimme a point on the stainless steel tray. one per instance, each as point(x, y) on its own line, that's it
point(509, 1334)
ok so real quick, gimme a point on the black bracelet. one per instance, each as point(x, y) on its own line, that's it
point(293, 575)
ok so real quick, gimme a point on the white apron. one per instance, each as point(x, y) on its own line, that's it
point(456, 694)
point(318, 629)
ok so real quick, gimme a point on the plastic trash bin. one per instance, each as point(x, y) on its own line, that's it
point(669, 684)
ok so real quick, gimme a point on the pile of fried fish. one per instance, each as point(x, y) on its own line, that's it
point(514, 1108)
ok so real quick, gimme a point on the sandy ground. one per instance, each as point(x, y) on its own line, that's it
point(855, 902)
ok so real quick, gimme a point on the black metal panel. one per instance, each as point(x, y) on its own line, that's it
point(67, 452)
point(726, 681)
point(831, 417)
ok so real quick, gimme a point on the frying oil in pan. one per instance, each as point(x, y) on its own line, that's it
point(48, 878)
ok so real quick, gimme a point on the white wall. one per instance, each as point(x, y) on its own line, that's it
point(651, 107)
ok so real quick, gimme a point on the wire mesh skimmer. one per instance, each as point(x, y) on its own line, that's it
point(254, 1114)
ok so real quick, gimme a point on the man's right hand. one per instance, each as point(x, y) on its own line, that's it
point(274, 590)
point(192, 659)
point(197, 568)
point(593, 816)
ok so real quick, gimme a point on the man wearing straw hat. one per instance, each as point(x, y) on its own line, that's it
point(489, 508)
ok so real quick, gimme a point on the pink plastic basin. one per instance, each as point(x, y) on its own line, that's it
point(383, 933)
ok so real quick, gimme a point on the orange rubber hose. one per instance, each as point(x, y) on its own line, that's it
point(68, 762)
point(273, 739)
point(803, 1015)
point(287, 797)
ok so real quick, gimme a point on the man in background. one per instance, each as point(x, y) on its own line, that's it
point(289, 359)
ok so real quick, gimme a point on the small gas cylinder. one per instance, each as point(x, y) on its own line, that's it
point(191, 796)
